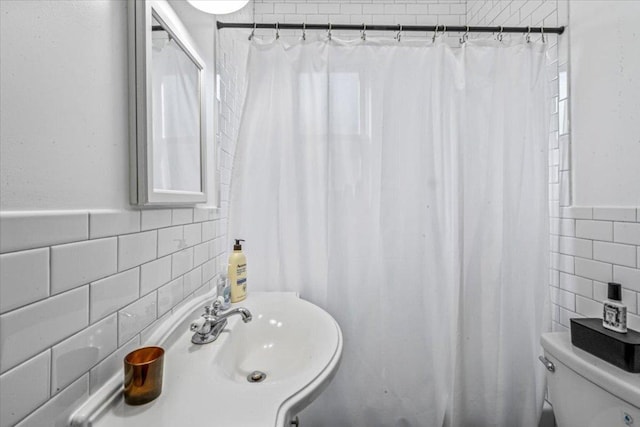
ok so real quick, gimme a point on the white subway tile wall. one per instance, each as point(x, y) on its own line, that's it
point(181, 262)
point(28, 272)
point(230, 69)
point(441, 12)
point(136, 316)
point(192, 234)
point(192, 280)
point(624, 232)
point(75, 264)
point(599, 258)
point(596, 230)
point(155, 274)
point(101, 373)
point(111, 294)
point(34, 328)
point(170, 240)
point(76, 355)
point(155, 218)
point(629, 277)
point(113, 223)
point(27, 230)
point(181, 216)
point(96, 282)
point(17, 400)
point(200, 253)
point(136, 249)
point(60, 407)
point(170, 295)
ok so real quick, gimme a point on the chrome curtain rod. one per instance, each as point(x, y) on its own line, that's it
point(397, 27)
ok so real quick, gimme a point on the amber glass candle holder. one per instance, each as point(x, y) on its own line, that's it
point(143, 375)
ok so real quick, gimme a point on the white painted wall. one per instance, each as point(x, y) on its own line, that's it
point(64, 134)
point(64, 109)
point(605, 102)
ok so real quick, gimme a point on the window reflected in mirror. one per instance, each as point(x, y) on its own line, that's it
point(176, 127)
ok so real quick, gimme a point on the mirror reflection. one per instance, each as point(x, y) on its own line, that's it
point(176, 129)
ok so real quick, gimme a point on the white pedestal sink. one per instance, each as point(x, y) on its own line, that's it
point(295, 343)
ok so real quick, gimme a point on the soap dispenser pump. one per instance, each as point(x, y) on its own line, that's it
point(237, 272)
point(614, 313)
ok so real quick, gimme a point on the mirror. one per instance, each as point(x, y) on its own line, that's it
point(168, 154)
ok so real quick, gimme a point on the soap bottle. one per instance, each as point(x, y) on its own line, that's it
point(614, 313)
point(238, 272)
point(224, 291)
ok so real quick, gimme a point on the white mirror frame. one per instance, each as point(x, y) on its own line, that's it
point(141, 13)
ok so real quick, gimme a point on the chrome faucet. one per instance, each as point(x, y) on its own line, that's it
point(214, 322)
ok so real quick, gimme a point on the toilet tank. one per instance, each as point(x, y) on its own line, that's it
point(586, 391)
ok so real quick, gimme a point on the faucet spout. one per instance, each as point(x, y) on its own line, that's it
point(243, 312)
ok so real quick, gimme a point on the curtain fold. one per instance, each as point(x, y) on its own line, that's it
point(402, 187)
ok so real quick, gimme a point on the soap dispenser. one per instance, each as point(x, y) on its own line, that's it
point(238, 272)
point(614, 313)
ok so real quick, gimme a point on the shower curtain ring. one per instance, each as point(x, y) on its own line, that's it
point(399, 33)
point(542, 32)
point(363, 36)
point(329, 31)
point(253, 31)
point(304, 31)
point(500, 33)
point(528, 35)
point(435, 34)
point(277, 30)
point(465, 36)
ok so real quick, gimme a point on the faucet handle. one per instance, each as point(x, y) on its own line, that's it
point(213, 309)
point(197, 325)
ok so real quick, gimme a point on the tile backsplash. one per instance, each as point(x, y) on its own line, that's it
point(447, 12)
point(589, 248)
point(80, 290)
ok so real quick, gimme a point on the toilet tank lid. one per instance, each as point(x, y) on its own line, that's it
point(620, 383)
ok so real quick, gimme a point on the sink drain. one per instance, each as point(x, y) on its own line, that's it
point(256, 377)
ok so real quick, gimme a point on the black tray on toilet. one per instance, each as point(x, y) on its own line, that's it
point(621, 350)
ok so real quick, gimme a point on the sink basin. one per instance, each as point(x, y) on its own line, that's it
point(290, 341)
point(296, 344)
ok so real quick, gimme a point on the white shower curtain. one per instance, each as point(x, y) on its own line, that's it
point(402, 187)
